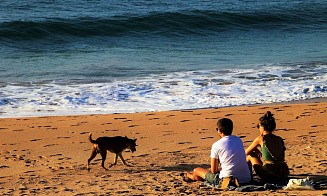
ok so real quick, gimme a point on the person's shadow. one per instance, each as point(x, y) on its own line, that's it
point(185, 167)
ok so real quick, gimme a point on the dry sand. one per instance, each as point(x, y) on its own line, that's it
point(47, 155)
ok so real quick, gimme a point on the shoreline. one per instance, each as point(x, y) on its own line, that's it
point(306, 101)
point(47, 154)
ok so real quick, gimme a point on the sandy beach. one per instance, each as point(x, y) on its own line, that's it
point(47, 155)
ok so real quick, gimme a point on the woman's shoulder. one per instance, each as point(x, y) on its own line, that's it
point(259, 138)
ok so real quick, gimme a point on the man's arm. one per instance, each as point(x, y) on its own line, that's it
point(214, 165)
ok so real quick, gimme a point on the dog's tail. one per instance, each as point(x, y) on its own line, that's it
point(90, 139)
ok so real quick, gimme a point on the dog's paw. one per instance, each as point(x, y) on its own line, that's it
point(105, 167)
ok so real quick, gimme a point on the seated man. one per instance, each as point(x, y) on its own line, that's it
point(229, 153)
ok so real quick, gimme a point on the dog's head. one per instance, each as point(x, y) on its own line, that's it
point(131, 143)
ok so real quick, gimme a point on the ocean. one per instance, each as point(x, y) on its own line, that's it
point(66, 57)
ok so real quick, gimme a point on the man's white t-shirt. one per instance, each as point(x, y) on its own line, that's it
point(230, 152)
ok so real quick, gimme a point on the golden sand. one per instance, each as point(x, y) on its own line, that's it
point(47, 155)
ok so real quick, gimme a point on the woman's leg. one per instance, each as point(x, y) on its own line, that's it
point(198, 174)
point(254, 162)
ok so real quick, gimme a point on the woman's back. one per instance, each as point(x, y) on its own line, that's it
point(273, 148)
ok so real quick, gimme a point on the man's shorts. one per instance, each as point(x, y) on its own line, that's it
point(212, 178)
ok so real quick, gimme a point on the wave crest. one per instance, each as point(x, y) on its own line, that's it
point(162, 24)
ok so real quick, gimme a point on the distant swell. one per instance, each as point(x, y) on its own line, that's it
point(163, 24)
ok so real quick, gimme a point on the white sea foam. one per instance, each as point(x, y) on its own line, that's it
point(173, 91)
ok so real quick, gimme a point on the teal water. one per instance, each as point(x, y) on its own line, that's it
point(107, 43)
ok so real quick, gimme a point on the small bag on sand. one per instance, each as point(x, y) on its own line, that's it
point(228, 181)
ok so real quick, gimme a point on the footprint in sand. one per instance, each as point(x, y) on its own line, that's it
point(120, 118)
point(317, 125)
point(133, 125)
point(211, 118)
point(323, 164)
point(53, 155)
point(203, 138)
point(305, 114)
point(18, 130)
point(34, 140)
point(168, 133)
point(229, 114)
point(185, 120)
point(30, 171)
point(313, 105)
point(64, 158)
point(48, 145)
point(142, 155)
point(184, 142)
point(54, 128)
point(106, 123)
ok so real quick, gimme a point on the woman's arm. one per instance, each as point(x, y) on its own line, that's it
point(253, 146)
point(214, 165)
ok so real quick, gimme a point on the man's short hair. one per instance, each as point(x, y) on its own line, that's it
point(225, 125)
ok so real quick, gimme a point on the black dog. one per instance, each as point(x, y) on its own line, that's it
point(113, 144)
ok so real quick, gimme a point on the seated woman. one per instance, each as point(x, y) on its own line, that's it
point(272, 150)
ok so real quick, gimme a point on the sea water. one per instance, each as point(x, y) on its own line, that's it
point(92, 57)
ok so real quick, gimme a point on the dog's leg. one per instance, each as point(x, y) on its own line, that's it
point(104, 156)
point(93, 154)
point(122, 158)
point(115, 160)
